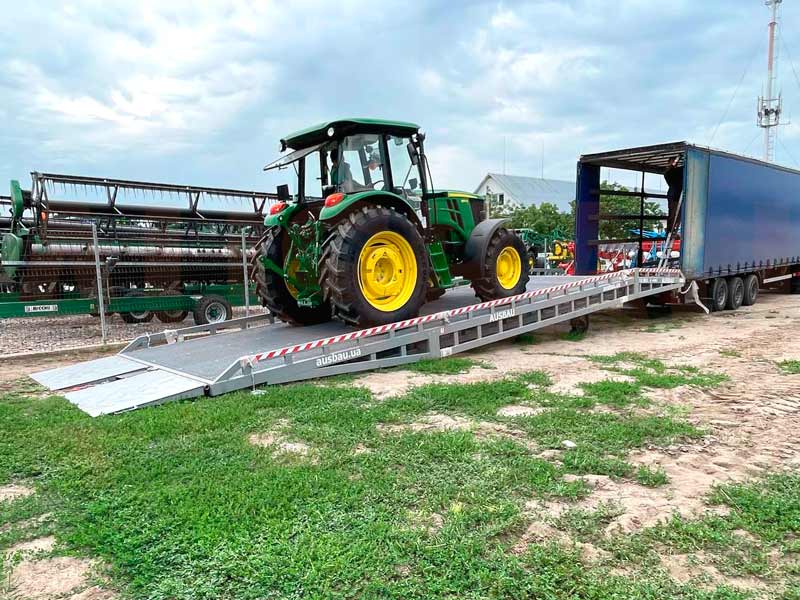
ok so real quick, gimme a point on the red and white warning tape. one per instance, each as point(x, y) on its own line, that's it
point(354, 335)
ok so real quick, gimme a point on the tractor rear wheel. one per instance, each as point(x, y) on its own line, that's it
point(375, 268)
point(505, 267)
point(279, 296)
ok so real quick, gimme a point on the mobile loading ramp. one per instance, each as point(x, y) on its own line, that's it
point(175, 364)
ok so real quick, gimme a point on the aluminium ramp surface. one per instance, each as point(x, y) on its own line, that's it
point(146, 373)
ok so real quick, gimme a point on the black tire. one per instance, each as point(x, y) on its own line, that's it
point(339, 275)
point(133, 318)
point(171, 316)
point(795, 285)
point(212, 309)
point(719, 294)
point(735, 293)
point(274, 293)
point(489, 287)
point(751, 287)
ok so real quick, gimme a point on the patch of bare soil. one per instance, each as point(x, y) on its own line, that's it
point(43, 544)
point(519, 410)
point(281, 444)
point(49, 578)
point(696, 568)
point(481, 429)
point(14, 491)
point(386, 384)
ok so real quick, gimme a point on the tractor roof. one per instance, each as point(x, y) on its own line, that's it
point(342, 127)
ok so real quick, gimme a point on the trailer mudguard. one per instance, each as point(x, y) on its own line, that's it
point(475, 249)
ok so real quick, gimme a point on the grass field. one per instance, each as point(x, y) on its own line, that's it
point(316, 490)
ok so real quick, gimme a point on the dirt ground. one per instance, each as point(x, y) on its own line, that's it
point(45, 334)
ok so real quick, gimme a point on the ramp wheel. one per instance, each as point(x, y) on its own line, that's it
point(505, 267)
point(212, 309)
point(719, 295)
point(579, 325)
point(141, 316)
point(277, 295)
point(375, 268)
point(735, 293)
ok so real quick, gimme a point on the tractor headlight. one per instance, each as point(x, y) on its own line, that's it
point(331, 131)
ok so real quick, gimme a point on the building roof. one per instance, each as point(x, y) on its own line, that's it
point(534, 190)
point(318, 133)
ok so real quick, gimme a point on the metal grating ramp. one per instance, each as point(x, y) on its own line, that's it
point(146, 388)
point(85, 373)
point(174, 365)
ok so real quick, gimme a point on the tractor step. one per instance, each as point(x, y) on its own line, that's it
point(440, 265)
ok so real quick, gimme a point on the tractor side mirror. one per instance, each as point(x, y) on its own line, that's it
point(413, 183)
point(283, 193)
point(412, 153)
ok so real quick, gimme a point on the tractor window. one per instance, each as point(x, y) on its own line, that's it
point(361, 164)
point(313, 179)
point(405, 174)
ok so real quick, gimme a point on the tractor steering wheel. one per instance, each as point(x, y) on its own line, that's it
point(374, 183)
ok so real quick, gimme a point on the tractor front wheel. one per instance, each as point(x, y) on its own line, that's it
point(375, 268)
point(279, 296)
point(505, 268)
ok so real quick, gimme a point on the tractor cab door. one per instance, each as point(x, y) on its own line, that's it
point(405, 174)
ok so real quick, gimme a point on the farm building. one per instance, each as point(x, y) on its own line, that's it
point(516, 191)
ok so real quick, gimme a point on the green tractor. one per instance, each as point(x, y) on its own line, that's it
point(367, 239)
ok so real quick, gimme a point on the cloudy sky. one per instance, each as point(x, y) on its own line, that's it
point(200, 92)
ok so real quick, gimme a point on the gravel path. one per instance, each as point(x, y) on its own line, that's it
point(43, 334)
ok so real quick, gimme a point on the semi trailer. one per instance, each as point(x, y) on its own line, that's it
point(738, 227)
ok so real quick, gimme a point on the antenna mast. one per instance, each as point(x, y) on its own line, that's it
point(769, 108)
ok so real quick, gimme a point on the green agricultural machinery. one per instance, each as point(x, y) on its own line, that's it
point(367, 239)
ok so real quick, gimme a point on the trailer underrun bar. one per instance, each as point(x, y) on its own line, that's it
point(175, 364)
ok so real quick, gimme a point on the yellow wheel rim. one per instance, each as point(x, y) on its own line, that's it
point(387, 271)
point(508, 268)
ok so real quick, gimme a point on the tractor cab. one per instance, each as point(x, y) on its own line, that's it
point(352, 156)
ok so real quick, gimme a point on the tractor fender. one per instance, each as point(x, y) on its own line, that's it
point(373, 198)
point(476, 246)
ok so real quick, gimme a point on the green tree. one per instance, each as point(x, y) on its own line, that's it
point(623, 205)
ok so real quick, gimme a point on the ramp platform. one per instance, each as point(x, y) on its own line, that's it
point(211, 360)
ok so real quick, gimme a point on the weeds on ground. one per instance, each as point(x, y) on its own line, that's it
point(790, 367)
point(653, 373)
point(730, 353)
point(452, 365)
point(651, 477)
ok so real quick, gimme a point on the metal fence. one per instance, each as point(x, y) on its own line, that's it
point(99, 299)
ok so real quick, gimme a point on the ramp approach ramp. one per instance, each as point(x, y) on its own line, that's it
point(175, 364)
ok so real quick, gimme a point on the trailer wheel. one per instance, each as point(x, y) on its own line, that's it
point(795, 285)
point(141, 316)
point(719, 294)
point(171, 316)
point(735, 293)
point(751, 287)
point(503, 268)
point(212, 309)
